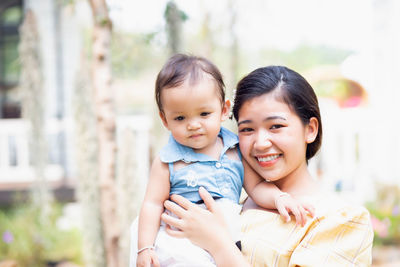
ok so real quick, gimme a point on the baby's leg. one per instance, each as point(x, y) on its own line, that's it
point(180, 252)
point(231, 212)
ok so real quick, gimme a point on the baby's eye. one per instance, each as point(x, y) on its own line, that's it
point(204, 114)
point(179, 118)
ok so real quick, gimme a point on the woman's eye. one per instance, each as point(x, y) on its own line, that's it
point(179, 118)
point(245, 130)
point(204, 114)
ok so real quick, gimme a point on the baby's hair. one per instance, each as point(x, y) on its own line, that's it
point(180, 68)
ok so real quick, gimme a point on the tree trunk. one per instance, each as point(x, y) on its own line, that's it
point(234, 49)
point(105, 113)
point(87, 169)
point(174, 18)
point(32, 91)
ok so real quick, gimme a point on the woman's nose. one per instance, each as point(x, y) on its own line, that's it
point(262, 141)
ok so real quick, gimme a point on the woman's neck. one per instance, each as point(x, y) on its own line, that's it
point(299, 183)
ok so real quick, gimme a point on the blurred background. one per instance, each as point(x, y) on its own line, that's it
point(79, 125)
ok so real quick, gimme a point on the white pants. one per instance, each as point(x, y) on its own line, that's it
point(180, 252)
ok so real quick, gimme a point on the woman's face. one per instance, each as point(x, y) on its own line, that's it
point(273, 139)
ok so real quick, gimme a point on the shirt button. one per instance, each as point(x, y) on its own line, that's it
point(218, 165)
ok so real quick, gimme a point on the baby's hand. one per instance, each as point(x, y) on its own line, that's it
point(285, 203)
point(147, 258)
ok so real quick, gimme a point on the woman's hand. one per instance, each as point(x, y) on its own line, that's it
point(204, 228)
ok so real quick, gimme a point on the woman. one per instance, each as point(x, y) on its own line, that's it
point(279, 128)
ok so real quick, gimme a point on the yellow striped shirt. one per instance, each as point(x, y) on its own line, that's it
point(339, 235)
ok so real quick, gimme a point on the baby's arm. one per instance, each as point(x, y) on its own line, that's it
point(269, 196)
point(157, 192)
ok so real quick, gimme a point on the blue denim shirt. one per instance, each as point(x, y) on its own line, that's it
point(223, 178)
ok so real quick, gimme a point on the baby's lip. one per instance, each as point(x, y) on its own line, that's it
point(195, 135)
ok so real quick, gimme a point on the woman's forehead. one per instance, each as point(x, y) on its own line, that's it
point(264, 104)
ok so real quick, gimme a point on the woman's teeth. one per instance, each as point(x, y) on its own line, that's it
point(269, 158)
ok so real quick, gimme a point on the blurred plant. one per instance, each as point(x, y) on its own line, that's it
point(136, 53)
point(385, 215)
point(305, 56)
point(346, 93)
point(30, 241)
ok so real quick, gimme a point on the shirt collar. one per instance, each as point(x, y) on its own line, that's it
point(174, 151)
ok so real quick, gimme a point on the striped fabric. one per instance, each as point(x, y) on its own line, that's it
point(336, 236)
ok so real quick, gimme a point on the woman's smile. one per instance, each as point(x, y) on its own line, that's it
point(268, 160)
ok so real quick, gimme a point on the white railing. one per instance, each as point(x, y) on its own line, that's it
point(15, 156)
point(361, 146)
point(15, 165)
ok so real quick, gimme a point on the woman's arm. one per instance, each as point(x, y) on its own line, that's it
point(157, 192)
point(205, 228)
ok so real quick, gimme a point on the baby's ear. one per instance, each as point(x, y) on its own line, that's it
point(226, 108)
point(163, 119)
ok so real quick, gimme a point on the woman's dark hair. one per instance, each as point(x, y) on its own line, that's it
point(180, 67)
point(294, 90)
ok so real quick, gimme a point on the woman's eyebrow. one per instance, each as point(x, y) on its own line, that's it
point(275, 117)
point(245, 121)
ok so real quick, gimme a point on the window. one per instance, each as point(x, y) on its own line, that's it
point(10, 20)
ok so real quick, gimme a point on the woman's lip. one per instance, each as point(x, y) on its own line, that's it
point(268, 160)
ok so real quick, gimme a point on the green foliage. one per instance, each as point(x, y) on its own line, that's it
point(11, 16)
point(385, 215)
point(31, 240)
point(134, 53)
point(337, 89)
point(171, 7)
point(9, 64)
point(306, 57)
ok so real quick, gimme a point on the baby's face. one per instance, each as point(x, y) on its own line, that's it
point(193, 113)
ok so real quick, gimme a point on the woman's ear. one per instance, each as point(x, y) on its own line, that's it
point(311, 130)
point(226, 108)
point(163, 119)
